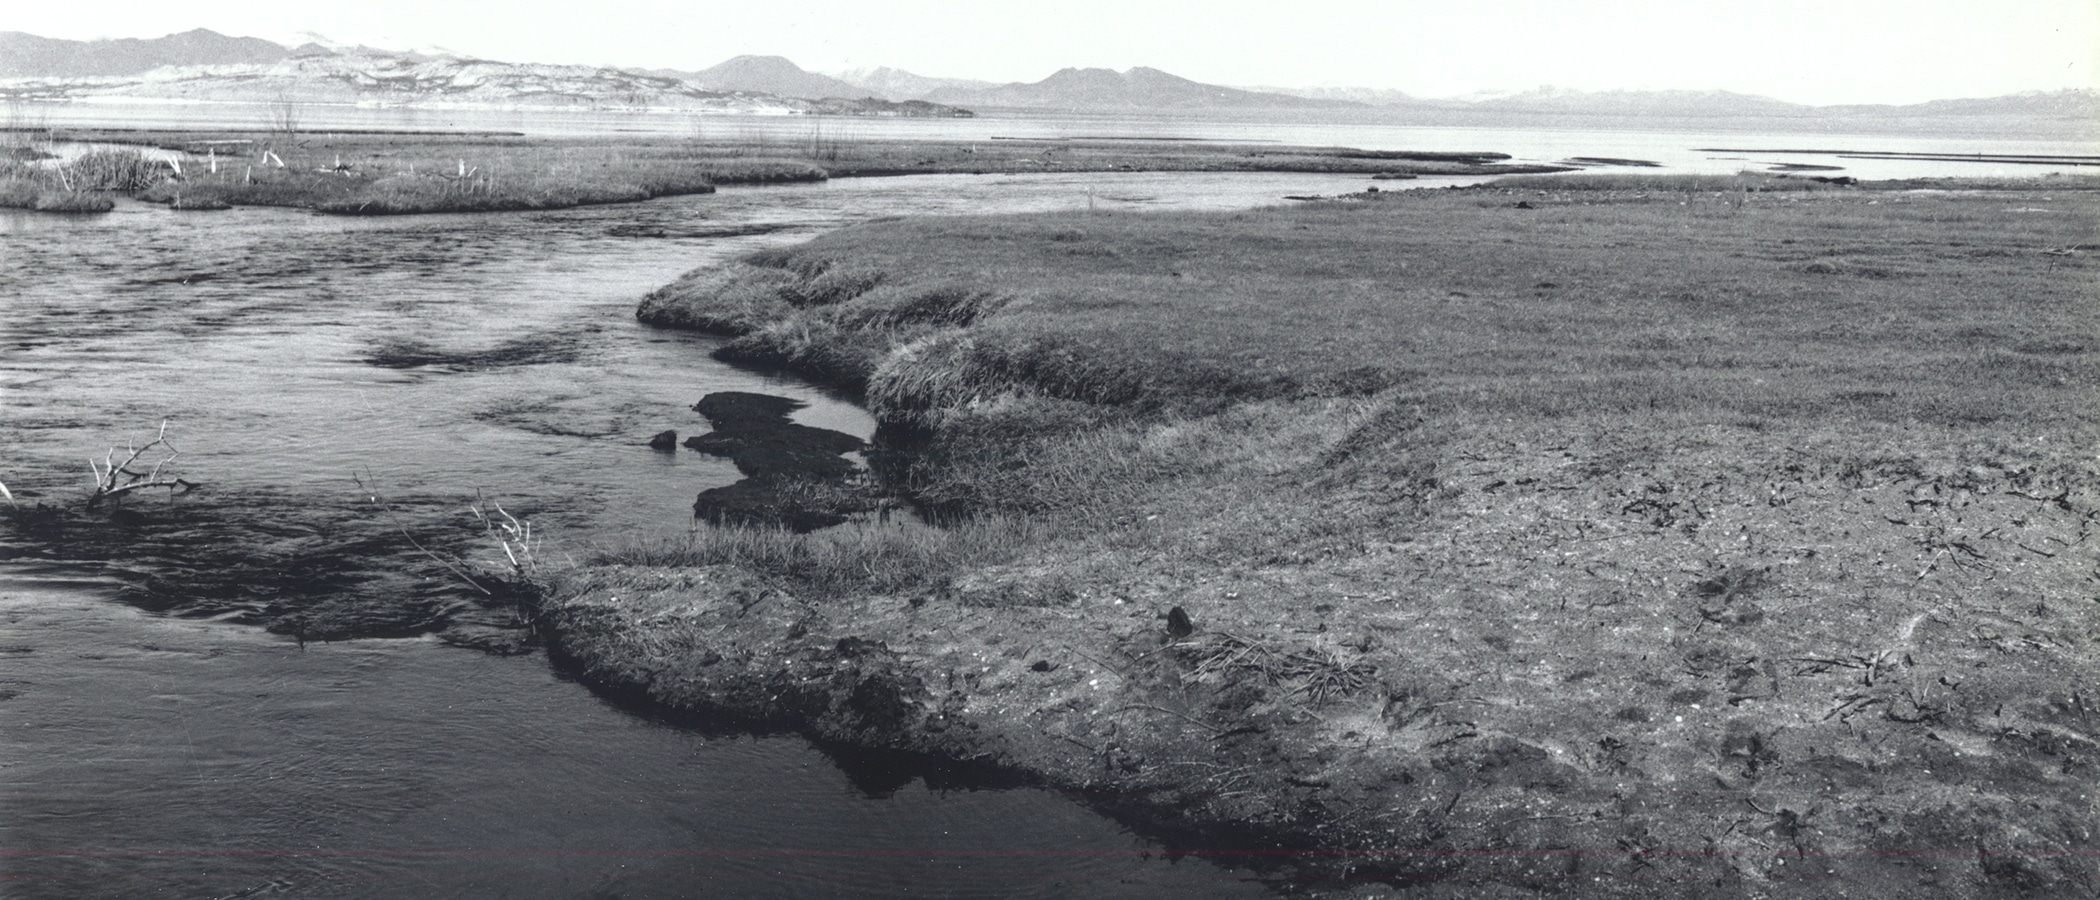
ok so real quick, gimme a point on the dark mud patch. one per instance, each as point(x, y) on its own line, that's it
point(1612, 161)
point(528, 350)
point(794, 475)
point(690, 233)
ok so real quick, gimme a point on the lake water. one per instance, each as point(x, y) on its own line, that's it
point(1681, 144)
point(165, 732)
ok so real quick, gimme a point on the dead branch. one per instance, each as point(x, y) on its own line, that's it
point(373, 493)
point(108, 484)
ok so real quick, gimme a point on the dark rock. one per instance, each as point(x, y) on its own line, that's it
point(666, 441)
point(1525, 204)
point(1178, 623)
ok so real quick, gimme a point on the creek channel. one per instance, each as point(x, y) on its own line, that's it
point(242, 690)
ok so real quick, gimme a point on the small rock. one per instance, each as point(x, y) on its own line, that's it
point(1178, 623)
point(667, 441)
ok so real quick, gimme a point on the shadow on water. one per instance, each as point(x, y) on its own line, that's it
point(884, 774)
point(314, 569)
point(527, 350)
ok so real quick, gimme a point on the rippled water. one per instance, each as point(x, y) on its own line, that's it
point(304, 364)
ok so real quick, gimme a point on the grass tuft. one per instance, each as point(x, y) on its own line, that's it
point(853, 560)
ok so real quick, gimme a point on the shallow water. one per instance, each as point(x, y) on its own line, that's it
point(306, 364)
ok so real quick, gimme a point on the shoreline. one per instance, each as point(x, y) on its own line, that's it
point(391, 172)
point(1452, 647)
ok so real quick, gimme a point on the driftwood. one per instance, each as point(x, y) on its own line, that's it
point(109, 484)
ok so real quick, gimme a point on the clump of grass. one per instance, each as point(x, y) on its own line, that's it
point(72, 202)
point(19, 193)
point(115, 170)
point(727, 300)
point(46, 189)
point(838, 562)
point(1319, 675)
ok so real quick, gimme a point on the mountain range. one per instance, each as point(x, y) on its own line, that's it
point(29, 56)
point(205, 65)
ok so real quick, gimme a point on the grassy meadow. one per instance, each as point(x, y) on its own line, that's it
point(1577, 535)
point(387, 173)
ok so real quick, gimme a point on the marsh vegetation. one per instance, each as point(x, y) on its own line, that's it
point(1595, 520)
point(386, 173)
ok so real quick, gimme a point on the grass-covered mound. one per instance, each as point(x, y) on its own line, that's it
point(82, 184)
point(403, 174)
point(373, 173)
point(1659, 541)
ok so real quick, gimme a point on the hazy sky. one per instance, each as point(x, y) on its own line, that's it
point(1827, 51)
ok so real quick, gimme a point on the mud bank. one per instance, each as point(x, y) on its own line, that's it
point(1554, 693)
point(1525, 583)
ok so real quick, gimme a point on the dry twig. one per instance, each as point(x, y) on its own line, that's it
point(107, 483)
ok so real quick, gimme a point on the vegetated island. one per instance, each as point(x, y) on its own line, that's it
point(1578, 536)
point(374, 173)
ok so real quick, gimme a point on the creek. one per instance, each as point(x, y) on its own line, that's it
point(240, 690)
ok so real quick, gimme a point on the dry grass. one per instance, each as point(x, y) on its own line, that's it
point(1667, 305)
point(852, 560)
point(396, 174)
point(1626, 529)
point(77, 185)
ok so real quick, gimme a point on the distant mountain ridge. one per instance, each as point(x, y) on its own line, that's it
point(202, 64)
point(775, 75)
point(897, 84)
point(26, 55)
point(1091, 89)
point(2070, 103)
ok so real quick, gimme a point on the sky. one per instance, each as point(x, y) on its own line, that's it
point(1805, 51)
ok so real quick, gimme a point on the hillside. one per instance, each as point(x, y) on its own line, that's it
point(1138, 88)
point(27, 55)
point(205, 66)
point(897, 84)
point(776, 75)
